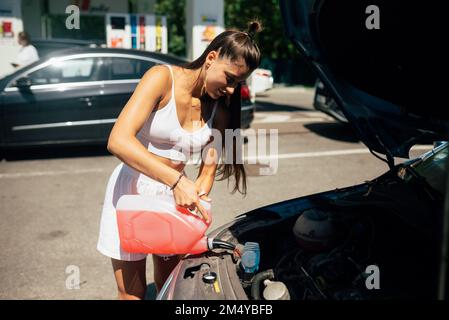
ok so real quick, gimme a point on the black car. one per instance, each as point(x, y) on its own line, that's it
point(382, 239)
point(45, 47)
point(74, 96)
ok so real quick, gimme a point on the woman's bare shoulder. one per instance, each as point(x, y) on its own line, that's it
point(149, 92)
point(155, 82)
point(157, 75)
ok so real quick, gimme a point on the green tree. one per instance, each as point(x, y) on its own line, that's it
point(272, 41)
point(175, 12)
point(278, 53)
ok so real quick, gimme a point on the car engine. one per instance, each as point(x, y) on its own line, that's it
point(357, 253)
point(380, 240)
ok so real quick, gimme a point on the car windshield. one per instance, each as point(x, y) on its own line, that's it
point(432, 166)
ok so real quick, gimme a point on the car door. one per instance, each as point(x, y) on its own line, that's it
point(58, 106)
point(121, 75)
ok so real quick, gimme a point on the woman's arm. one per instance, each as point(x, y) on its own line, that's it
point(122, 139)
point(206, 174)
point(125, 146)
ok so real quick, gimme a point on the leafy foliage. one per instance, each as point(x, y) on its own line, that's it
point(272, 41)
point(175, 12)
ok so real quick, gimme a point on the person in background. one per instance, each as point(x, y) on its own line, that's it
point(28, 53)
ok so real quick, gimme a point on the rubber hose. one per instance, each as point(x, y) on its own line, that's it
point(258, 278)
point(222, 244)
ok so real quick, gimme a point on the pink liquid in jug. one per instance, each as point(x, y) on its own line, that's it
point(155, 224)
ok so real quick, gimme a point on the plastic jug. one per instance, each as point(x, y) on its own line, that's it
point(155, 224)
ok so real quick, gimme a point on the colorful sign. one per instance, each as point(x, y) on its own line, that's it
point(137, 31)
point(118, 32)
point(158, 34)
point(6, 30)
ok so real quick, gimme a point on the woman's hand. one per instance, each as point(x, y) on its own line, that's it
point(203, 196)
point(186, 195)
point(203, 187)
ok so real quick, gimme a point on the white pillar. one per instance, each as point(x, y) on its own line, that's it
point(10, 26)
point(204, 21)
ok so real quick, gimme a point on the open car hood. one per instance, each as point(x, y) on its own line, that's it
point(381, 78)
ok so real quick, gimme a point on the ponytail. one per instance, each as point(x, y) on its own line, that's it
point(236, 168)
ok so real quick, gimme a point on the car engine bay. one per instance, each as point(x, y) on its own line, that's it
point(377, 240)
point(371, 246)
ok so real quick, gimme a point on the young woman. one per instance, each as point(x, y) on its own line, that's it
point(169, 105)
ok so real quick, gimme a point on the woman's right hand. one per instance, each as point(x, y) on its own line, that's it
point(186, 195)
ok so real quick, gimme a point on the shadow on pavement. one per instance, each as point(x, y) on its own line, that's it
point(334, 131)
point(262, 106)
point(55, 152)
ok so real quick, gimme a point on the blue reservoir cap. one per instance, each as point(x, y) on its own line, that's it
point(251, 245)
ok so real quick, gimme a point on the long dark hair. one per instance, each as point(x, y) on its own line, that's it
point(233, 44)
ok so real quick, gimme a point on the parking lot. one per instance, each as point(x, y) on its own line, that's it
point(50, 200)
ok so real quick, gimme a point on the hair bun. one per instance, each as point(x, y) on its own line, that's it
point(254, 27)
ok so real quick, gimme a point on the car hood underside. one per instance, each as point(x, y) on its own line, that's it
point(388, 96)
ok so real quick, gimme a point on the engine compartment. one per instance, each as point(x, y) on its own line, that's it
point(374, 245)
point(378, 240)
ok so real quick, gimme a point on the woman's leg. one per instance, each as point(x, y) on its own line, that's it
point(131, 279)
point(162, 268)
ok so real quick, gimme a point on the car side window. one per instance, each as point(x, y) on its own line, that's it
point(127, 68)
point(66, 71)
